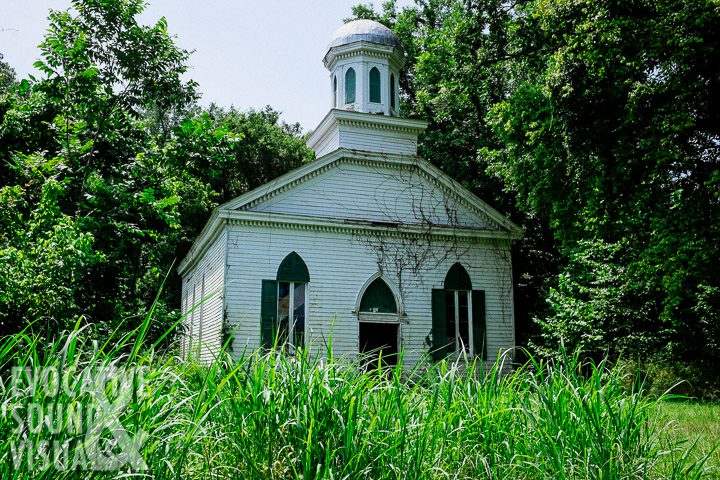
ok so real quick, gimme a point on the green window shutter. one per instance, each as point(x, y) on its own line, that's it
point(268, 312)
point(375, 85)
point(441, 343)
point(350, 86)
point(478, 323)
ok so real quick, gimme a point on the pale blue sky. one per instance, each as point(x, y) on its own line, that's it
point(247, 53)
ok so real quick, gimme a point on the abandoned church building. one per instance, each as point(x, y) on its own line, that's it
point(367, 247)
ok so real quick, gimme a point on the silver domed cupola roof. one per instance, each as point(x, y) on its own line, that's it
point(364, 30)
point(365, 59)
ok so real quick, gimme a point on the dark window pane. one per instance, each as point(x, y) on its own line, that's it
point(283, 311)
point(350, 86)
point(464, 339)
point(392, 91)
point(299, 314)
point(375, 85)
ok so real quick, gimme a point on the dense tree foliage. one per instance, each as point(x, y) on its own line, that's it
point(601, 120)
point(109, 169)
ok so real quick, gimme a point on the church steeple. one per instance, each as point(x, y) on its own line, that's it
point(364, 59)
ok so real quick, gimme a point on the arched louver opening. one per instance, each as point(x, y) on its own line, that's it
point(350, 86)
point(392, 91)
point(378, 298)
point(375, 85)
point(293, 269)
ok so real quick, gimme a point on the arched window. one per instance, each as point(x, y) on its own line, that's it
point(335, 91)
point(350, 86)
point(284, 304)
point(392, 91)
point(378, 298)
point(457, 278)
point(458, 289)
point(379, 322)
point(375, 85)
point(458, 315)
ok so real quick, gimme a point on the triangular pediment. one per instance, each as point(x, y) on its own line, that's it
point(384, 190)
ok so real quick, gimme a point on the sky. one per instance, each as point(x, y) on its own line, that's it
point(246, 53)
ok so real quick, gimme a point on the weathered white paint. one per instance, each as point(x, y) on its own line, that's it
point(376, 192)
point(350, 214)
point(367, 133)
point(203, 290)
point(333, 213)
point(340, 264)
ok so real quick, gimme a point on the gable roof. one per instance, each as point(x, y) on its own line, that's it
point(240, 208)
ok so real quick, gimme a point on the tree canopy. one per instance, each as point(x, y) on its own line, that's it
point(109, 170)
point(597, 125)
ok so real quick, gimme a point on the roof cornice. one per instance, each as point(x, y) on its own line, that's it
point(327, 224)
point(362, 47)
point(221, 217)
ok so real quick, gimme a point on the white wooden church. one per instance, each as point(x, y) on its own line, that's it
point(368, 247)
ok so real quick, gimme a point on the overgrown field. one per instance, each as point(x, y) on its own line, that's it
point(274, 416)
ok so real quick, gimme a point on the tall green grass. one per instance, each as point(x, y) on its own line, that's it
point(269, 415)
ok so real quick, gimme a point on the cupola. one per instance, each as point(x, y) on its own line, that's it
point(364, 59)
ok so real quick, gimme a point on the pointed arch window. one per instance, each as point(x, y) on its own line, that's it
point(379, 322)
point(284, 305)
point(392, 91)
point(375, 85)
point(350, 86)
point(458, 311)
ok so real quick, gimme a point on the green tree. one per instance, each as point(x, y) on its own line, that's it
point(109, 171)
point(7, 75)
point(613, 131)
point(229, 152)
point(83, 126)
point(596, 125)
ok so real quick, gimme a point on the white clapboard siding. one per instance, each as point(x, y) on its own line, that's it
point(339, 265)
point(203, 288)
point(328, 143)
point(378, 193)
point(360, 138)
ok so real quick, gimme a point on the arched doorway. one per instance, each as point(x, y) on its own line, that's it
point(379, 324)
